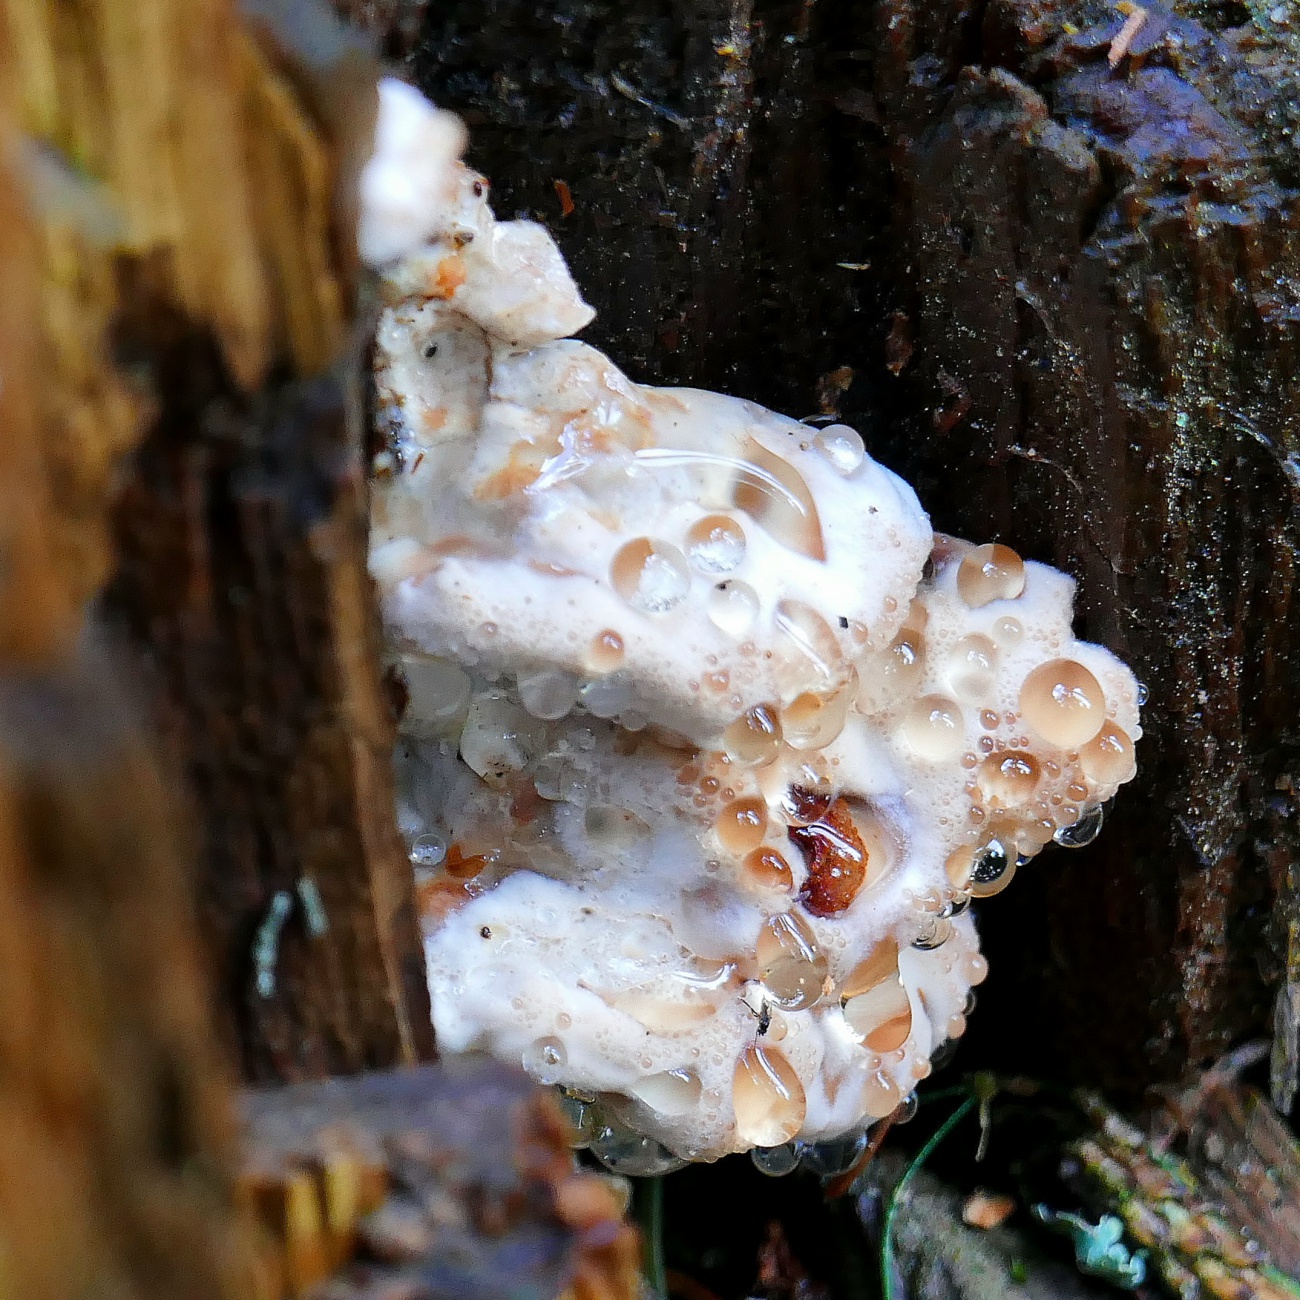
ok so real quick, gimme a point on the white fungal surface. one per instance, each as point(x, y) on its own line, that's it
point(709, 740)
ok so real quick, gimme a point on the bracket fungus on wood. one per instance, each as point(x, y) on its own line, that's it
point(709, 739)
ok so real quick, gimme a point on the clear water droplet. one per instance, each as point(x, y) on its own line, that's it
point(650, 575)
point(545, 1059)
point(835, 1155)
point(631, 1154)
point(715, 544)
point(776, 1162)
point(992, 871)
point(428, 850)
point(1084, 831)
point(733, 607)
point(842, 446)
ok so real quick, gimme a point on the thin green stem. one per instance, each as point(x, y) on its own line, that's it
point(895, 1200)
point(651, 1200)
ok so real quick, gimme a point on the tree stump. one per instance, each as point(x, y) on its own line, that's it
point(1045, 261)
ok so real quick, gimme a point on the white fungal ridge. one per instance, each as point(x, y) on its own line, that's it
point(700, 762)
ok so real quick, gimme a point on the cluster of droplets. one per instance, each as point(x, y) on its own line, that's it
point(777, 818)
point(679, 664)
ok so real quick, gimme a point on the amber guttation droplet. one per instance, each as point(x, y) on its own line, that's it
point(768, 1096)
point(768, 869)
point(650, 575)
point(808, 649)
point(605, 652)
point(773, 493)
point(1108, 757)
point(935, 728)
point(790, 964)
point(903, 658)
point(880, 1096)
point(881, 965)
point(972, 668)
point(741, 825)
point(837, 860)
point(1010, 777)
point(715, 544)
point(882, 1016)
point(958, 866)
point(755, 737)
point(1063, 702)
point(988, 573)
point(813, 719)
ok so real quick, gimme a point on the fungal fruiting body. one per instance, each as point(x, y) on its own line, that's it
point(708, 738)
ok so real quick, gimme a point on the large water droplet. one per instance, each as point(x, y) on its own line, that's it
point(813, 719)
point(715, 544)
point(1108, 757)
point(992, 871)
point(776, 1162)
point(548, 695)
point(754, 738)
point(973, 668)
point(932, 932)
point(811, 658)
point(990, 572)
point(650, 575)
point(1063, 702)
point(773, 493)
point(835, 1155)
point(767, 869)
point(935, 728)
point(608, 696)
point(605, 652)
point(879, 966)
point(1011, 777)
point(741, 825)
point(674, 1092)
point(428, 850)
point(842, 446)
point(1084, 831)
point(769, 1097)
point(882, 1016)
point(880, 1096)
point(790, 964)
point(631, 1154)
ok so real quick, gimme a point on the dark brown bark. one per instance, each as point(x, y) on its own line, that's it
point(242, 570)
point(199, 280)
point(1057, 295)
point(239, 571)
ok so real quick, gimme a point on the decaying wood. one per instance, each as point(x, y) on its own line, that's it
point(1058, 293)
point(453, 1182)
point(201, 382)
point(116, 1146)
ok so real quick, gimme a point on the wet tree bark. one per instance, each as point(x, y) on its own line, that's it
point(1046, 262)
point(197, 408)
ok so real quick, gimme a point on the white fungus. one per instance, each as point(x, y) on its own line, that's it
point(709, 738)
